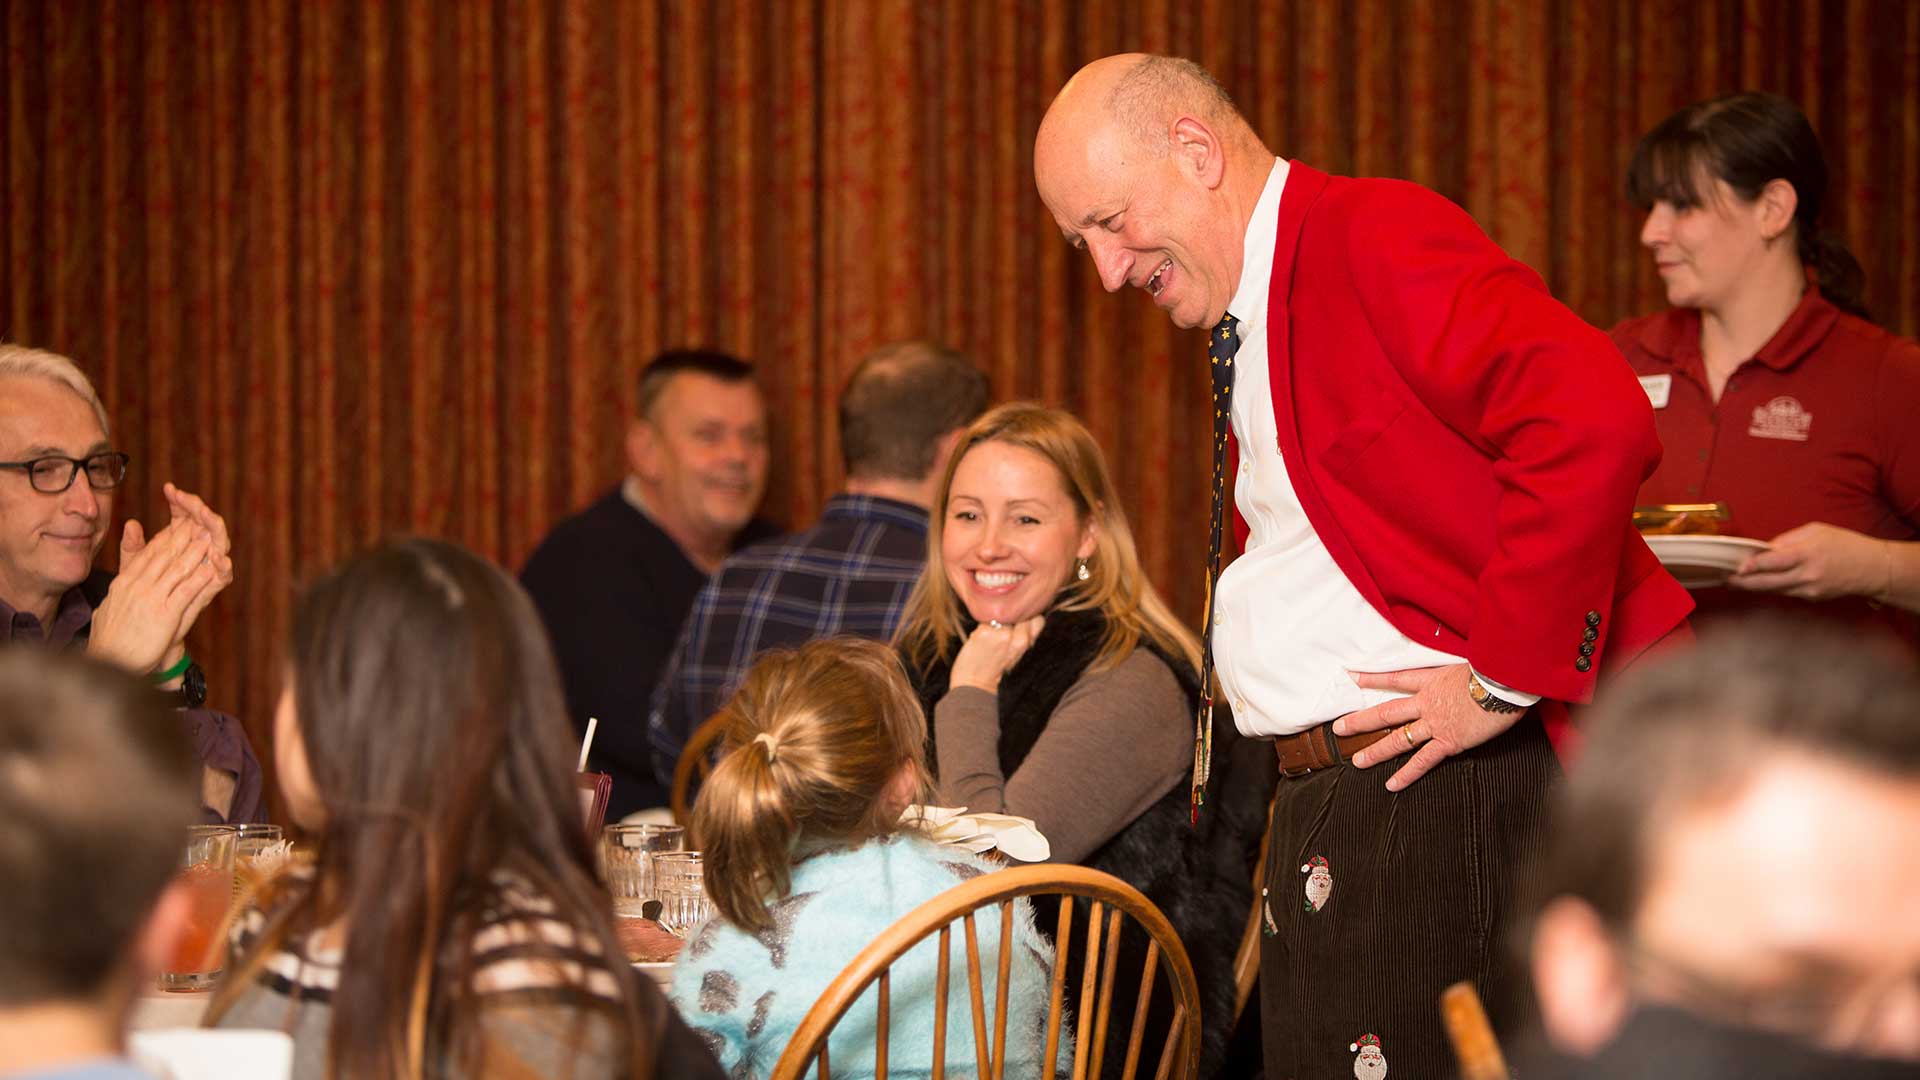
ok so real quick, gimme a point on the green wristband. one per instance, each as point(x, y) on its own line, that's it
point(175, 671)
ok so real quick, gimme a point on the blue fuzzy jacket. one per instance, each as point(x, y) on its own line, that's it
point(746, 994)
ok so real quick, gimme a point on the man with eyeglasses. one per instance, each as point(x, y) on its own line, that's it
point(58, 472)
point(1734, 877)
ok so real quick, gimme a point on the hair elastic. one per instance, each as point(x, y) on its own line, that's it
point(773, 748)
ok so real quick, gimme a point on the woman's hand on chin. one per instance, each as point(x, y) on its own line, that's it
point(990, 650)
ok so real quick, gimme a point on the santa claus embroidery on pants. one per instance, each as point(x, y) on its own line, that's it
point(1319, 882)
point(1371, 1064)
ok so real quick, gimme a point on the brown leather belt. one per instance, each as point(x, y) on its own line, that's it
point(1319, 748)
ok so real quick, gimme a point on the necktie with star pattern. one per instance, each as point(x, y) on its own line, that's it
point(1222, 343)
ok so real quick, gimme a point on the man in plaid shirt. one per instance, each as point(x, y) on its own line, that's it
point(900, 415)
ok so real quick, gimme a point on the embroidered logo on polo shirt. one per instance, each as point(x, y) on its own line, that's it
point(1781, 418)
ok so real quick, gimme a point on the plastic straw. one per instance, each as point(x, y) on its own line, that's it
point(586, 744)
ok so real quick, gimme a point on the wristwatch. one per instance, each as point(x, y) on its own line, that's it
point(1487, 699)
point(192, 692)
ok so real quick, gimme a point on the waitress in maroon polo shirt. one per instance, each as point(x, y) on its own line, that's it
point(1771, 390)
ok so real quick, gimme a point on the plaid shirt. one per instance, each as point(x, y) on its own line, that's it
point(849, 574)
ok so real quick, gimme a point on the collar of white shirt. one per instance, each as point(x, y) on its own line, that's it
point(1249, 303)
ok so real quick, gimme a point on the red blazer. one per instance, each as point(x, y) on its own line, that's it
point(1467, 448)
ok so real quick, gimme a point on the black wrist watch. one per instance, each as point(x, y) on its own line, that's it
point(1487, 699)
point(193, 689)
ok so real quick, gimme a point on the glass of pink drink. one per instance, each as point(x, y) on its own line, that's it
point(206, 876)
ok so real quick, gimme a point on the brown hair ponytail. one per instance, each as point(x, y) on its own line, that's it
point(1835, 270)
point(814, 739)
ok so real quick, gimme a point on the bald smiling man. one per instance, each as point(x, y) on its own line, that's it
point(1435, 465)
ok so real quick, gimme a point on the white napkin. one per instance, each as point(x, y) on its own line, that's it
point(200, 1054)
point(1016, 837)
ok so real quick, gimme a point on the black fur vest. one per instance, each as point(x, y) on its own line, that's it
point(1200, 877)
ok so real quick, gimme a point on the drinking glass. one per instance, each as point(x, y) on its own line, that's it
point(627, 853)
point(206, 875)
point(259, 851)
point(680, 881)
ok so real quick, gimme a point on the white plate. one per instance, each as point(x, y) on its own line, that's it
point(214, 1055)
point(661, 972)
point(1701, 562)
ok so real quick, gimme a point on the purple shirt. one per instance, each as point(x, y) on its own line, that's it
point(218, 739)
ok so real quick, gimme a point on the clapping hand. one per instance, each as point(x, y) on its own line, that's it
point(992, 649)
point(184, 510)
point(164, 584)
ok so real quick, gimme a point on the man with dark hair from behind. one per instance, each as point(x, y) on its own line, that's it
point(97, 789)
point(613, 583)
point(1734, 881)
point(900, 414)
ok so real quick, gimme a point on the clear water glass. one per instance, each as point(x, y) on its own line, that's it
point(627, 854)
point(680, 880)
point(259, 852)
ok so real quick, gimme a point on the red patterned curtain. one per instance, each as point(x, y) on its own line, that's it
point(353, 268)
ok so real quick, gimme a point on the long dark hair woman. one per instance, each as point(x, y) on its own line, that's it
point(450, 923)
point(1061, 688)
point(1772, 392)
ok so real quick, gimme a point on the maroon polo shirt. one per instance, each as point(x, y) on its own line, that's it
point(1822, 424)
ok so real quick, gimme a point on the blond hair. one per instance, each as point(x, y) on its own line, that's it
point(813, 740)
point(41, 364)
point(931, 626)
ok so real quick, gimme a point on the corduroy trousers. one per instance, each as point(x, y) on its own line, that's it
point(1376, 901)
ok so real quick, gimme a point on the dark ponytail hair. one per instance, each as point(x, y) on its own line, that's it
point(1749, 140)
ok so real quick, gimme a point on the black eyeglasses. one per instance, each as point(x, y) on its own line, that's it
point(54, 473)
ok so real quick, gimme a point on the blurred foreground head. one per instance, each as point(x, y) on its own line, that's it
point(1738, 844)
point(97, 787)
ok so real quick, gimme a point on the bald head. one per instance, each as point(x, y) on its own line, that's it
point(1145, 163)
point(1143, 95)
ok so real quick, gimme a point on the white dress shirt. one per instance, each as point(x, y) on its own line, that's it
point(1287, 625)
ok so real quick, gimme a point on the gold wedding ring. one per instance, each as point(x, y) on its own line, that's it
point(1406, 732)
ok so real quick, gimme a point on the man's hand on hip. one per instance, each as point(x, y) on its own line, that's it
point(1439, 720)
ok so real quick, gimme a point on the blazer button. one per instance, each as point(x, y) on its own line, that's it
point(1582, 664)
point(1593, 618)
point(1589, 634)
point(1586, 648)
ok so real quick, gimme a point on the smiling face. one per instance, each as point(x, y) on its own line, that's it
point(702, 453)
point(1705, 252)
point(1148, 215)
point(47, 542)
point(1012, 535)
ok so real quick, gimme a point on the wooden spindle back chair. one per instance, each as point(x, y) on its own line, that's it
point(1474, 1044)
point(1246, 959)
point(696, 761)
point(1111, 904)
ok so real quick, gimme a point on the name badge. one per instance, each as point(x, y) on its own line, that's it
point(1658, 388)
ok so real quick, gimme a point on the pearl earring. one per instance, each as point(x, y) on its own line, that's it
point(1083, 573)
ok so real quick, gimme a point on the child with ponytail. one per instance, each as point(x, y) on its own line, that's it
point(806, 864)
